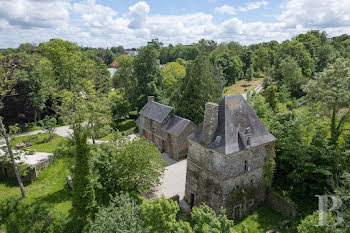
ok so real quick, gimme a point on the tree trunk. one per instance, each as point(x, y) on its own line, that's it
point(334, 137)
point(13, 161)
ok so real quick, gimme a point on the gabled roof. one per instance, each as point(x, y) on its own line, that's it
point(155, 111)
point(236, 117)
point(175, 125)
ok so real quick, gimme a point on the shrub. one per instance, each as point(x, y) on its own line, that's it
point(7, 207)
point(121, 215)
point(32, 219)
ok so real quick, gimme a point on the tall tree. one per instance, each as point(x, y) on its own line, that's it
point(292, 76)
point(147, 76)
point(7, 83)
point(332, 88)
point(230, 66)
point(172, 74)
point(75, 109)
point(199, 86)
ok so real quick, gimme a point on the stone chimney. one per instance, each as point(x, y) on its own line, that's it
point(150, 98)
point(210, 122)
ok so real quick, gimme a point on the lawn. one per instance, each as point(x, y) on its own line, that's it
point(30, 128)
point(260, 220)
point(242, 86)
point(48, 189)
point(125, 127)
point(39, 142)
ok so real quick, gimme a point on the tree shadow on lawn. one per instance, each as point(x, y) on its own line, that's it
point(11, 182)
point(56, 197)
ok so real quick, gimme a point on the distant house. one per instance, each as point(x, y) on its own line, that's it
point(168, 132)
point(114, 64)
point(131, 53)
point(112, 71)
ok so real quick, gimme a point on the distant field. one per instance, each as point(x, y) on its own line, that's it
point(242, 86)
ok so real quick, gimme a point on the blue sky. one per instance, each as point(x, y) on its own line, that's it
point(106, 23)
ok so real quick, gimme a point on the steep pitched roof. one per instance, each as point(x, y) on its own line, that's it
point(155, 111)
point(236, 118)
point(175, 125)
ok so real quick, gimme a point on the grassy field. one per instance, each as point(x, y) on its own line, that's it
point(126, 127)
point(260, 221)
point(39, 142)
point(48, 189)
point(242, 86)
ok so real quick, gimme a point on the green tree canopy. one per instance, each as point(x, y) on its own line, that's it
point(198, 87)
point(147, 75)
point(120, 216)
point(133, 167)
point(172, 74)
point(332, 88)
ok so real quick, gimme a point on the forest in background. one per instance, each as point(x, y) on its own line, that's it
point(305, 102)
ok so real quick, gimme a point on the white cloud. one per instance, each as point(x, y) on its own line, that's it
point(90, 23)
point(34, 13)
point(253, 5)
point(138, 15)
point(94, 15)
point(225, 9)
point(318, 14)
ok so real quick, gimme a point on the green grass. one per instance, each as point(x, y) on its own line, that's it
point(125, 127)
point(30, 128)
point(242, 86)
point(39, 142)
point(48, 189)
point(260, 220)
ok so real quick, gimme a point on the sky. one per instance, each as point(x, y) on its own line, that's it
point(130, 23)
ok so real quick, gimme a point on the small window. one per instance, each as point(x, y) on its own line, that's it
point(237, 186)
point(246, 165)
point(251, 181)
point(217, 140)
point(192, 200)
point(248, 141)
point(265, 160)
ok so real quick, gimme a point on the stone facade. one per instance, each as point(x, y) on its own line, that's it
point(168, 132)
point(33, 170)
point(222, 174)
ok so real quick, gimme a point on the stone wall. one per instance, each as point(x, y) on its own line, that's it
point(182, 142)
point(281, 204)
point(33, 170)
point(213, 177)
point(228, 166)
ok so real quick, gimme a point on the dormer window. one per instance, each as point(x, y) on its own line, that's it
point(247, 135)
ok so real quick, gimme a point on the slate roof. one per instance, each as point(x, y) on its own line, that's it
point(155, 111)
point(175, 125)
point(235, 118)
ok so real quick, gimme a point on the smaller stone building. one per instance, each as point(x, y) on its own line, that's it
point(168, 132)
point(34, 164)
point(227, 157)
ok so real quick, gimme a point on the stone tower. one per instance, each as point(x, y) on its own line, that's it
point(226, 158)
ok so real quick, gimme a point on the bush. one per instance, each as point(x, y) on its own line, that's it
point(121, 215)
point(32, 219)
point(7, 207)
